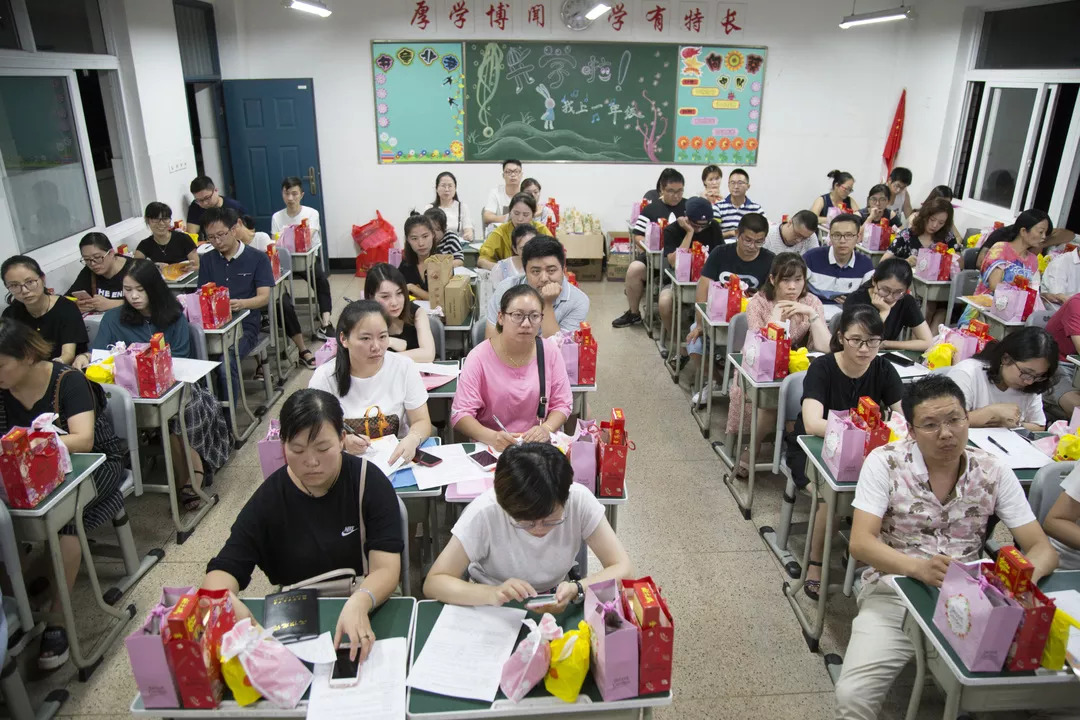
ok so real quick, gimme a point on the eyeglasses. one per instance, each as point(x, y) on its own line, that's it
point(1029, 375)
point(444, 186)
point(512, 172)
point(887, 294)
point(859, 343)
point(845, 188)
point(205, 199)
point(750, 241)
point(533, 524)
point(29, 286)
point(96, 259)
point(737, 183)
point(843, 236)
point(518, 317)
point(934, 428)
point(669, 191)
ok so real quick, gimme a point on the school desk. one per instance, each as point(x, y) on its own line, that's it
point(683, 293)
point(405, 486)
point(279, 342)
point(652, 279)
point(931, 291)
point(393, 619)
point(304, 265)
point(430, 706)
point(225, 341)
point(998, 328)
point(874, 255)
point(714, 336)
point(983, 691)
point(43, 524)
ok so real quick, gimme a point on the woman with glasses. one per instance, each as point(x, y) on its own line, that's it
point(877, 207)
point(521, 538)
point(839, 197)
point(498, 400)
point(165, 246)
point(1003, 384)
point(100, 285)
point(364, 376)
point(887, 292)
point(56, 318)
point(836, 381)
point(458, 219)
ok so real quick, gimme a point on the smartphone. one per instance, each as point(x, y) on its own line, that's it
point(540, 601)
point(346, 672)
point(426, 459)
point(900, 359)
point(484, 459)
point(1025, 433)
point(81, 295)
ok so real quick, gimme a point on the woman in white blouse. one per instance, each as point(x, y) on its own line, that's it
point(458, 219)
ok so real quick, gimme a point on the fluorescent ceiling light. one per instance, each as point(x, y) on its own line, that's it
point(880, 16)
point(597, 11)
point(309, 6)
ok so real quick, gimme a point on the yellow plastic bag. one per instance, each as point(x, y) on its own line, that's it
point(941, 355)
point(238, 682)
point(1054, 653)
point(798, 360)
point(743, 305)
point(1044, 260)
point(972, 239)
point(101, 372)
point(1068, 448)
point(569, 664)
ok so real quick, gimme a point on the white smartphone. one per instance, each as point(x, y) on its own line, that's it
point(484, 459)
point(346, 672)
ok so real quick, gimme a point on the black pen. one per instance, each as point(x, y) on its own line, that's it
point(1000, 446)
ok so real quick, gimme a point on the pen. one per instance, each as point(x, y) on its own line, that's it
point(999, 445)
point(499, 422)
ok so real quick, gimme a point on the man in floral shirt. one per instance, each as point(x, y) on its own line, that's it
point(921, 504)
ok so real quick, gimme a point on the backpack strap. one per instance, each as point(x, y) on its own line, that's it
point(541, 408)
point(363, 529)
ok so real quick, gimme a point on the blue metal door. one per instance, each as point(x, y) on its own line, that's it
point(271, 128)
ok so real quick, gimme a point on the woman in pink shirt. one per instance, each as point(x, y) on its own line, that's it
point(500, 379)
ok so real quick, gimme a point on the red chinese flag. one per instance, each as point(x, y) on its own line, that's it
point(896, 134)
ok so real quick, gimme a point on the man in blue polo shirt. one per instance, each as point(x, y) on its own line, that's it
point(242, 269)
point(544, 260)
point(731, 209)
point(837, 270)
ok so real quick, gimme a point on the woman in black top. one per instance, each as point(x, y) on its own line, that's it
point(877, 207)
point(887, 291)
point(410, 327)
point(309, 518)
point(103, 277)
point(419, 242)
point(32, 384)
point(843, 184)
point(56, 318)
point(836, 382)
point(165, 246)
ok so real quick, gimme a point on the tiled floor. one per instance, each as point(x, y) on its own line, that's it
point(739, 650)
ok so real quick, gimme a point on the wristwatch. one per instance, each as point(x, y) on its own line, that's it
point(580, 592)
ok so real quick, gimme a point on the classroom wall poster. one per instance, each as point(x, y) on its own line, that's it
point(718, 104)
point(419, 108)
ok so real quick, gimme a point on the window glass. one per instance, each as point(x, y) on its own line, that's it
point(9, 38)
point(1039, 36)
point(70, 26)
point(1001, 151)
point(43, 169)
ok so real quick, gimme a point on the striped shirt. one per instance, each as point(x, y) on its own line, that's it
point(656, 211)
point(828, 279)
point(451, 245)
point(729, 215)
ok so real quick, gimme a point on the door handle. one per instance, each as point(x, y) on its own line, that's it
point(311, 180)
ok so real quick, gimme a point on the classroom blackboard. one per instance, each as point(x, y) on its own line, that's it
point(569, 101)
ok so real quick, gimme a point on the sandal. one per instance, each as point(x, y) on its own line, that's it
point(54, 648)
point(189, 498)
point(812, 588)
point(307, 359)
point(258, 374)
point(743, 471)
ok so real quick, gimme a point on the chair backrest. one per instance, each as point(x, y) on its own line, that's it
point(787, 409)
point(93, 323)
point(476, 334)
point(962, 283)
point(1039, 318)
point(406, 583)
point(971, 231)
point(198, 341)
point(971, 259)
point(736, 333)
point(122, 411)
point(1046, 487)
point(286, 264)
point(438, 331)
point(834, 323)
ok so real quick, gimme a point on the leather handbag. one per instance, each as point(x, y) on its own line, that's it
point(374, 426)
point(342, 582)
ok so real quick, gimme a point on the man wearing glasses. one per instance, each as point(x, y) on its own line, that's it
point(797, 235)
point(837, 271)
point(206, 197)
point(921, 504)
point(497, 207)
point(736, 205)
point(565, 307)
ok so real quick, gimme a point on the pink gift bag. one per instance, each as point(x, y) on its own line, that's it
point(976, 618)
point(683, 259)
point(613, 642)
point(933, 266)
point(271, 451)
point(287, 238)
point(125, 373)
point(327, 352)
point(635, 210)
point(529, 663)
point(1010, 302)
point(724, 299)
point(393, 256)
point(146, 651)
point(582, 453)
point(570, 352)
point(844, 447)
point(764, 359)
point(966, 344)
point(271, 667)
point(653, 236)
point(192, 307)
point(874, 238)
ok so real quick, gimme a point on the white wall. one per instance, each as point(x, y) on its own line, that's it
point(829, 98)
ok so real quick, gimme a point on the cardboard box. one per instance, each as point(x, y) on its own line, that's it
point(587, 270)
point(617, 265)
point(1014, 569)
point(582, 246)
point(457, 300)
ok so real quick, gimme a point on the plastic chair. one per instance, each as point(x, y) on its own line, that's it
point(406, 583)
point(971, 231)
point(1039, 318)
point(438, 331)
point(476, 333)
point(963, 283)
point(971, 259)
point(198, 341)
point(736, 338)
point(93, 324)
point(788, 408)
point(834, 323)
point(1046, 487)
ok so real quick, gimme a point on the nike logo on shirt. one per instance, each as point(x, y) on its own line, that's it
point(349, 530)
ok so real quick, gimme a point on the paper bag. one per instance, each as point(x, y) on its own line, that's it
point(843, 449)
point(653, 241)
point(439, 270)
point(613, 642)
point(457, 300)
point(214, 304)
point(192, 307)
point(582, 453)
point(146, 651)
point(154, 368)
point(725, 299)
point(656, 641)
point(271, 451)
point(683, 260)
point(31, 466)
point(976, 618)
point(766, 354)
point(587, 349)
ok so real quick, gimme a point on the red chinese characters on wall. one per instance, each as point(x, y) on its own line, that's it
point(617, 16)
point(536, 16)
point(655, 17)
point(730, 17)
point(693, 19)
point(459, 13)
point(420, 17)
point(498, 15)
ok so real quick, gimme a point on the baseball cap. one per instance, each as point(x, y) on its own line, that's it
point(698, 209)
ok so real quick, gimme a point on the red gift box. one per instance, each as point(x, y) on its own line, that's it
point(1026, 651)
point(612, 463)
point(195, 661)
point(214, 303)
point(373, 242)
point(586, 354)
point(275, 260)
point(656, 643)
point(154, 368)
point(697, 260)
point(30, 466)
point(945, 268)
point(182, 622)
point(618, 427)
point(783, 350)
point(302, 236)
point(1014, 569)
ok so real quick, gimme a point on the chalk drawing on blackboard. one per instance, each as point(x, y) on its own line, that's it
point(549, 107)
point(487, 82)
point(517, 70)
point(560, 65)
point(624, 66)
point(653, 130)
point(596, 69)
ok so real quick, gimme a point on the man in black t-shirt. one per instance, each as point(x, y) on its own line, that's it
point(696, 226)
point(207, 196)
point(667, 210)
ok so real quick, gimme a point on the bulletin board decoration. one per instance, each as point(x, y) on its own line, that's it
point(419, 111)
point(572, 101)
point(718, 104)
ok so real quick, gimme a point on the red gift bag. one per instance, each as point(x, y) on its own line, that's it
point(1027, 647)
point(612, 462)
point(657, 633)
point(373, 242)
point(867, 417)
point(275, 260)
point(302, 236)
point(31, 466)
point(586, 355)
point(697, 260)
point(194, 656)
point(153, 367)
point(571, 277)
point(214, 304)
